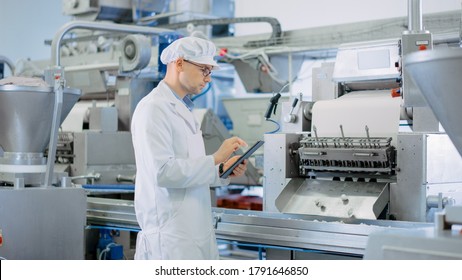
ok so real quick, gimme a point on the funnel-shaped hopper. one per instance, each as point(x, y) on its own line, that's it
point(438, 74)
point(26, 114)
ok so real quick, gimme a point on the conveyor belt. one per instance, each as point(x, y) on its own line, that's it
point(111, 212)
point(346, 236)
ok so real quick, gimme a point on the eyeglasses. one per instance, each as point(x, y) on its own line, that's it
point(205, 71)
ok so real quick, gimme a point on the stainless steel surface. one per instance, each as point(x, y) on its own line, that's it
point(453, 215)
point(443, 164)
point(426, 166)
point(347, 170)
point(407, 197)
point(410, 43)
point(42, 223)
point(418, 244)
point(414, 14)
point(26, 114)
point(367, 61)
point(362, 200)
point(279, 165)
point(323, 87)
point(91, 177)
point(302, 231)
point(23, 158)
point(55, 124)
point(332, 235)
point(130, 92)
point(115, 157)
point(415, 38)
point(130, 179)
point(437, 75)
point(111, 212)
point(423, 119)
point(301, 120)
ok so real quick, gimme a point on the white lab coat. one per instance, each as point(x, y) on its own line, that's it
point(173, 179)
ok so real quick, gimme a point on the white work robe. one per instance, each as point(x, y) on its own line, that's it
point(173, 179)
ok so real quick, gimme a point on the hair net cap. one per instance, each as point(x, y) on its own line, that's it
point(190, 48)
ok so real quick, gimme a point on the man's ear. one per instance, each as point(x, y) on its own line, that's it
point(179, 64)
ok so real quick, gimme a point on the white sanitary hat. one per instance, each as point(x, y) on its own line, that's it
point(190, 48)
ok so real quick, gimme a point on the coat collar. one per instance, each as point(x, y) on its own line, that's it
point(180, 107)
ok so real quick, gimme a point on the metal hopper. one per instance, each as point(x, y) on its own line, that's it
point(438, 75)
point(26, 114)
point(26, 120)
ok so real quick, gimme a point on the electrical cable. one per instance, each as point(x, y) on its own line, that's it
point(203, 92)
point(277, 124)
point(106, 250)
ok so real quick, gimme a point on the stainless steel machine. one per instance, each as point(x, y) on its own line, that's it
point(334, 171)
point(41, 216)
point(436, 74)
point(336, 185)
point(334, 193)
point(413, 175)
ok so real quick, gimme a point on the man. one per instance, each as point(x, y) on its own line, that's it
point(173, 179)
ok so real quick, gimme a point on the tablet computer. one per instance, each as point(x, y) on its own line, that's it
point(246, 155)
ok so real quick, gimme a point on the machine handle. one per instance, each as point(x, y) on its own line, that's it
point(314, 153)
point(122, 178)
point(365, 154)
point(273, 105)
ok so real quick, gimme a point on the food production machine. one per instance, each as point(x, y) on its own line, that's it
point(367, 150)
point(40, 213)
point(363, 170)
point(435, 72)
point(366, 155)
point(360, 160)
point(43, 215)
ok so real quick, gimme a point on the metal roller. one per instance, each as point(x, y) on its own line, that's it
point(136, 53)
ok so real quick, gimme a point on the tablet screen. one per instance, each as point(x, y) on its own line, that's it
point(246, 155)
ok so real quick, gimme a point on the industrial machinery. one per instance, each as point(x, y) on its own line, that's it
point(44, 214)
point(41, 215)
point(94, 144)
point(355, 163)
point(349, 173)
point(435, 72)
point(361, 163)
point(364, 155)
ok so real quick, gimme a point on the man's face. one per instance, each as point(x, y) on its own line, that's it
point(196, 76)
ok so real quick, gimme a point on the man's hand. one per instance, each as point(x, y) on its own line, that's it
point(227, 148)
point(239, 170)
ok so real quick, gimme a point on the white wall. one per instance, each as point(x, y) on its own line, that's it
point(296, 14)
point(26, 24)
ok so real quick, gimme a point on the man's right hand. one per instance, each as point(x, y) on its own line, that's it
point(227, 148)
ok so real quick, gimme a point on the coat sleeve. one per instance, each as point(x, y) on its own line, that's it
point(161, 146)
